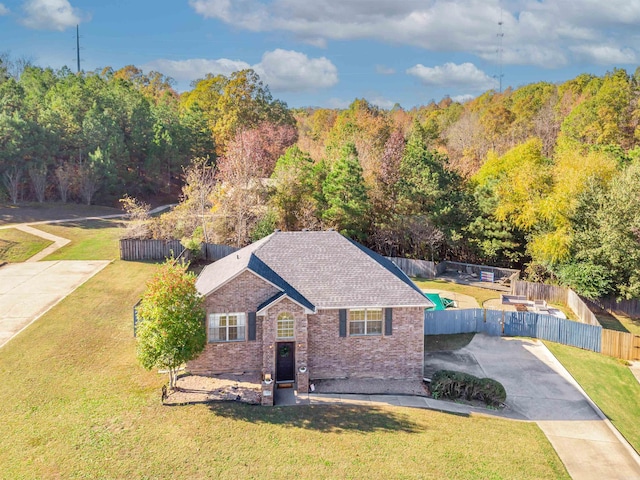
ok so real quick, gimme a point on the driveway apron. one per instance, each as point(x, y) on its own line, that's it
point(540, 389)
point(28, 290)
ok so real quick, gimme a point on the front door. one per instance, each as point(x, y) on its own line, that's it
point(285, 362)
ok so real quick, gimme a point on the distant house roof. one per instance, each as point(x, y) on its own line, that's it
point(318, 270)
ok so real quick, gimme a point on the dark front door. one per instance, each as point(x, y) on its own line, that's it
point(285, 362)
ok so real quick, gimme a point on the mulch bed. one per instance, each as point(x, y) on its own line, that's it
point(198, 389)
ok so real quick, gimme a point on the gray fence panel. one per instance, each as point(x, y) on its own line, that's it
point(455, 321)
point(491, 322)
point(521, 324)
point(548, 328)
point(581, 335)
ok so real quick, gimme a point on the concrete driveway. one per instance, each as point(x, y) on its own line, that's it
point(540, 389)
point(28, 290)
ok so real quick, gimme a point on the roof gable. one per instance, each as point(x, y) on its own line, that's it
point(318, 270)
point(332, 271)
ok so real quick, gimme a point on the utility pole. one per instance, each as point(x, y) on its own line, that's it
point(500, 36)
point(78, 46)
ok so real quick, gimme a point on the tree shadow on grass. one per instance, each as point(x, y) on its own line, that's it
point(95, 224)
point(323, 418)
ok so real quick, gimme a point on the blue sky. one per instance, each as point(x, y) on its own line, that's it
point(328, 52)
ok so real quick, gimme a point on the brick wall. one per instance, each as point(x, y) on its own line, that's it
point(399, 355)
point(317, 341)
point(242, 294)
point(300, 335)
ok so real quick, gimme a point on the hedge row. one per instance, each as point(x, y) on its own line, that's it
point(455, 385)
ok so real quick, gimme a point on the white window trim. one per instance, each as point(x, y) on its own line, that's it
point(366, 322)
point(242, 322)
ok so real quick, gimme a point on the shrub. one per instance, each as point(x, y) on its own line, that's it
point(455, 385)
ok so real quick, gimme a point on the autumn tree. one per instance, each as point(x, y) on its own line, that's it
point(238, 102)
point(172, 330)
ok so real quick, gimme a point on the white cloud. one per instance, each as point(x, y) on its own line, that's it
point(465, 75)
point(4, 10)
point(463, 98)
point(605, 55)
point(549, 33)
point(382, 70)
point(282, 70)
point(196, 68)
point(50, 15)
point(381, 102)
point(291, 71)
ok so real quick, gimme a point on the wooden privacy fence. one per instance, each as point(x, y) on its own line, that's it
point(556, 294)
point(613, 305)
point(137, 250)
point(416, 268)
point(521, 324)
point(621, 345)
point(134, 249)
point(426, 269)
point(470, 268)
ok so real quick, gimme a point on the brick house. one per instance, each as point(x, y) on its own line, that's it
point(301, 306)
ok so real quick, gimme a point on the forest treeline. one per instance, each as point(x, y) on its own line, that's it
point(545, 176)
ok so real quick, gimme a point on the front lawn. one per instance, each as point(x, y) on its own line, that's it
point(609, 383)
point(76, 405)
point(90, 239)
point(18, 246)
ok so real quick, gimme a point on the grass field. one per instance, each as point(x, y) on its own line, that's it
point(610, 385)
point(90, 239)
point(35, 212)
point(18, 246)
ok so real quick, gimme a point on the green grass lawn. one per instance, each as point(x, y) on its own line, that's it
point(35, 212)
point(76, 405)
point(609, 383)
point(18, 246)
point(480, 294)
point(90, 239)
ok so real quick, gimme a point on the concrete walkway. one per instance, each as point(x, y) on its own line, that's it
point(635, 369)
point(58, 242)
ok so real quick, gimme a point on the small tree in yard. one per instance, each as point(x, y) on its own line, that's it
point(172, 330)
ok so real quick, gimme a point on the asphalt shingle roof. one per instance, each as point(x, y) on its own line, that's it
point(321, 269)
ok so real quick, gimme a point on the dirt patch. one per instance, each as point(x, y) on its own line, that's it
point(371, 386)
point(224, 388)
